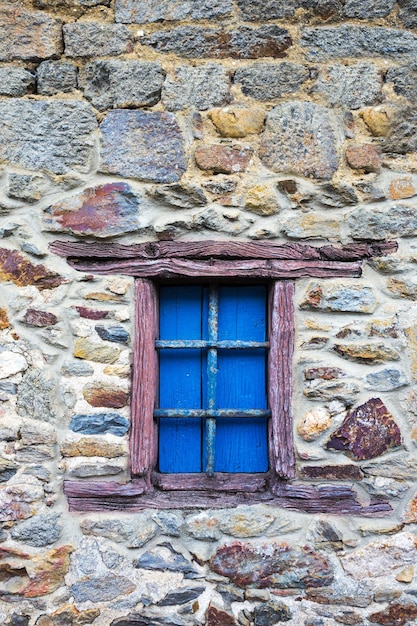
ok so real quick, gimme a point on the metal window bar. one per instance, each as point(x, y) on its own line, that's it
point(213, 344)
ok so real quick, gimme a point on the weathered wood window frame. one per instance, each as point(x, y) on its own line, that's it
point(278, 265)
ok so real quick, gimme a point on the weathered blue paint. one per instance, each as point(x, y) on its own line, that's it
point(212, 406)
point(100, 423)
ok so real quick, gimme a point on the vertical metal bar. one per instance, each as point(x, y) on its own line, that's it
point(213, 328)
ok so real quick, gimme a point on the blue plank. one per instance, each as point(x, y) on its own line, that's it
point(180, 371)
point(241, 444)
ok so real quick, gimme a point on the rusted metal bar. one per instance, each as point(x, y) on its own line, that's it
point(198, 413)
point(201, 343)
point(213, 331)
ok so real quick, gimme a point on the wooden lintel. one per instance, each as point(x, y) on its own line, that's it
point(221, 250)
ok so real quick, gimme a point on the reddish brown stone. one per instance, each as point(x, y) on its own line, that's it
point(331, 472)
point(324, 373)
point(223, 159)
point(28, 35)
point(274, 565)
point(217, 617)
point(34, 317)
point(18, 269)
point(101, 394)
point(367, 431)
point(395, 615)
point(4, 320)
point(364, 157)
point(91, 314)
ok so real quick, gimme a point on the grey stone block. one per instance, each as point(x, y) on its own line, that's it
point(123, 84)
point(368, 9)
point(56, 76)
point(404, 79)
point(16, 81)
point(28, 35)
point(300, 138)
point(351, 86)
point(54, 136)
point(256, 10)
point(39, 531)
point(325, 43)
point(266, 81)
point(378, 223)
point(244, 43)
point(29, 187)
point(88, 39)
point(201, 87)
point(132, 11)
point(144, 145)
point(408, 12)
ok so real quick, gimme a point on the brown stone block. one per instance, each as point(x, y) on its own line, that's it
point(102, 394)
point(364, 157)
point(93, 446)
point(395, 615)
point(4, 320)
point(223, 159)
point(31, 36)
point(237, 121)
point(18, 269)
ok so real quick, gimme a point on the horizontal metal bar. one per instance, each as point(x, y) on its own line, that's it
point(197, 343)
point(212, 413)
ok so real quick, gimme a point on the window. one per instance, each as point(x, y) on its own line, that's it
point(213, 409)
point(222, 269)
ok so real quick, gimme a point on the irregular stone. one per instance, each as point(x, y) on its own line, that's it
point(99, 423)
point(371, 193)
point(368, 9)
point(90, 470)
point(335, 296)
point(101, 588)
point(382, 556)
point(343, 591)
point(310, 226)
point(244, 43)
point(406, 288)
point(401, 188)
point(181, 195)
point(11, 363)
point(92, 447)
point(116, 530)
point(331, 472)
point(267, 614)
point(199, 87)
point(203, 526)
point(104, 211)
point(404, 80)
point(300, 138)
point(323, 373)
point(169, 523)
point(237, 121)
point(4, 319)
point(364, 156)
point(34, 432)
point(28, 35)
point(366, 352)
point(223, 159)
point(75, 368)
point(35, 317)
point(218, 617)
point(334, 195)
point(113, 84)
point(90, 39)
point(116, 334)
point(314, 423)
point(47, 571)
point(35, 454)
point(395, 615)
point(406, 575)
point(54, 136)
point(19, 620)
point(401, 137)
point(258, 10)
point(92, 351)
point(27, 187)
point(351, 86)
point(91, 314)
point(144, 145)
point(408, 13)
point(378, 119)
point(367, 431)
point(19, 500)
point(100, 394)
point(246, 523)
point(262, 200)
point(144, 531)
point(38, 531)
point(36, 396)
point(16, 81)
point(276, 565)
point(165, 558)
point(220, 186)
point(69, 614)
point(348, 40)
point(386, 380)
point(381, 223)
point(181, 596)
point(267, 81)
point(56, 77)
point(122, 371)
point(19, 270)
point(132, 12)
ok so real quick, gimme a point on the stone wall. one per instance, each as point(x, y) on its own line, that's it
point(260, 120)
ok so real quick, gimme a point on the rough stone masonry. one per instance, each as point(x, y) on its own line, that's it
point(135, 121)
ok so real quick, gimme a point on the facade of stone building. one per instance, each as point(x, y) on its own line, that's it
point(222, 144)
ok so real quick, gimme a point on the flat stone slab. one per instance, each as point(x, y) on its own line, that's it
point(139, 12)
point(143, 145)
point(28, 35)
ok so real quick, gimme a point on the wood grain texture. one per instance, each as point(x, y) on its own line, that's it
point(143, 436)
point(338, 500)
point(222, 250)
point(189, 268)
point(280, 357)
point(249, 483)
